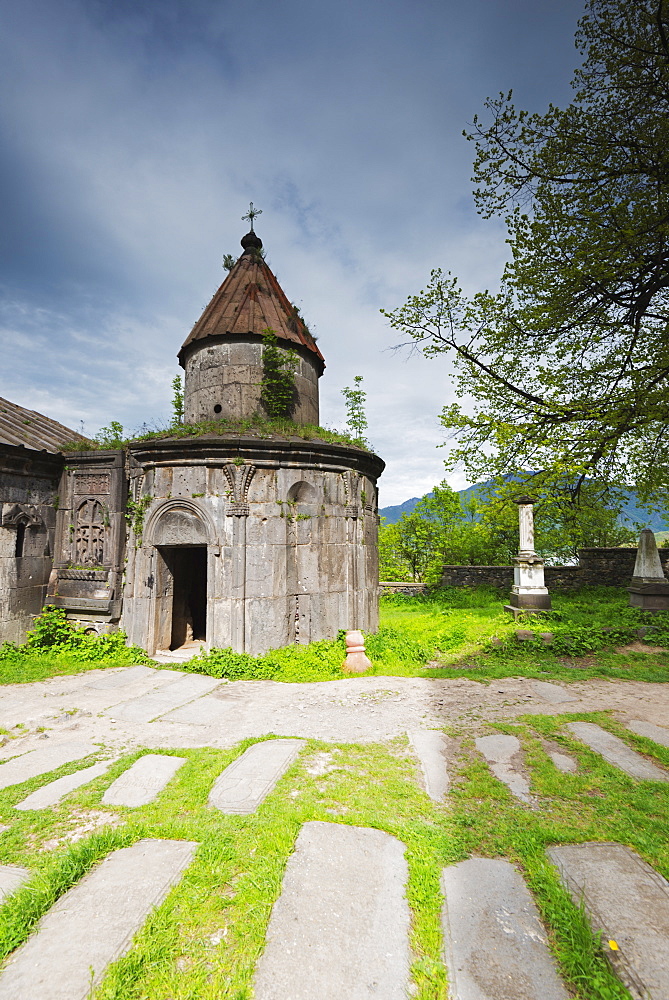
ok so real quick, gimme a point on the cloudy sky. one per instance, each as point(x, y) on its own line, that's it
point(134, 134)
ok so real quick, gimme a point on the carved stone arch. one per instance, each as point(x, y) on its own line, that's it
point(22, 513)
point(302, 492)
point(179, 522)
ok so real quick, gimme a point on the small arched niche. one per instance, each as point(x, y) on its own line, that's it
point(302, 492)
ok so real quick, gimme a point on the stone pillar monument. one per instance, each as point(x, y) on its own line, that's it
point(649, 588)
point(529, 593)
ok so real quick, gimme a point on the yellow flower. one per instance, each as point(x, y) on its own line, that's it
point(613, 945)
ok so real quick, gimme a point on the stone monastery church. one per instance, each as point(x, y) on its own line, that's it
point(220, 539)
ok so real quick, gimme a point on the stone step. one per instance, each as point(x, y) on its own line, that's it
point(49, 795)
point(505, 759)
point(494, 942)
point(11, 878)
point(94, 922)
point(628, 902)
point(143, 781)
point(247, 782)
point(432, 749)
point(340, 927)
point(616, 752)
point(35, 762)
point(155, 703)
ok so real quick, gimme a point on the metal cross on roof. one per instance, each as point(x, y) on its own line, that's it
point(251, 214)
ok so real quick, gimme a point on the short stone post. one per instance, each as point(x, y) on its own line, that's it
point(649, 588)
point(356, 661)
point(528, 593)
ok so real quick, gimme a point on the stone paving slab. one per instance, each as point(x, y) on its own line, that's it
point(504, 757)
point(563, 762)
point(553, 693)
point(431, 748)
point(143, 781)
point(126, 675)
point(35, 762)
point(247, 782)
point(616, 752)
point(49, 795)
point(656, 733)
point(206, 711)
point(628, 901)
point(11, 877)
point(155, 703)
point(340, 927)
point(495, 944)
point(63, 959)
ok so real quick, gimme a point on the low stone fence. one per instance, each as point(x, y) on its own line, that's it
point(607, 567)
point(394, 587)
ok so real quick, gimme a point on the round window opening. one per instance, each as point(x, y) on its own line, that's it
point(218, 408)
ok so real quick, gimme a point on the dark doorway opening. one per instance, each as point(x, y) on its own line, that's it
point(188, 566)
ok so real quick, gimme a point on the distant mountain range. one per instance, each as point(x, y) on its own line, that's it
point(631, 512)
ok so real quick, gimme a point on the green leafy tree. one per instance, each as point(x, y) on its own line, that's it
point(567, 363)
point(111, 436)
point(177, 401)
point(356, 419)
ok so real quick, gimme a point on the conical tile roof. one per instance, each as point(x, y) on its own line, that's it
point(250, 301)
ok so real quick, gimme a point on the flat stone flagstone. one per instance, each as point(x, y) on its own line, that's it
point(504, 757)
point(563, 762)
point(155, 703)
point(143, 781)
point(248, 780)
point(11, 877)
point(495, 944)
point(431, 748)
point(210, 710)
point(49, 794)
point(628, 901)
point(655, 733)
point(553, 693)
point(124, 676)
point(35, 762)
point(340, 928)
point(94, 922)
point(616, 752)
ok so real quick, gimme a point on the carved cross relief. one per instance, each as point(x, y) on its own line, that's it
point(90, 534)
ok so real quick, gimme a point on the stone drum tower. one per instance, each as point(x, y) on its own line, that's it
point(241, 536)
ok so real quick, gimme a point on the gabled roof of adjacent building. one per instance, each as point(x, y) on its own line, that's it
point(31, 429)
point(251, 301)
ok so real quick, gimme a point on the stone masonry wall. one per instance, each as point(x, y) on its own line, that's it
point(228, 373)
point(608, 567)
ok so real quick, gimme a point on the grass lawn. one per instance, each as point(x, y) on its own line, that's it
point(205, 939)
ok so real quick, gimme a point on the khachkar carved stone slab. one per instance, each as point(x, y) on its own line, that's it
point(432, 748)
point(495, 944)
point(49, 795)
point(628, 901)
point(247, 782)
point(37, 762)
point(340, 927)
point(505, 759)
point(92, 482)
point(142, 782)
point(93, 924)
point(11, 878)
point(616, 752)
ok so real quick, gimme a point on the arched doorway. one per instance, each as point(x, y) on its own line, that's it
point(179, 539)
